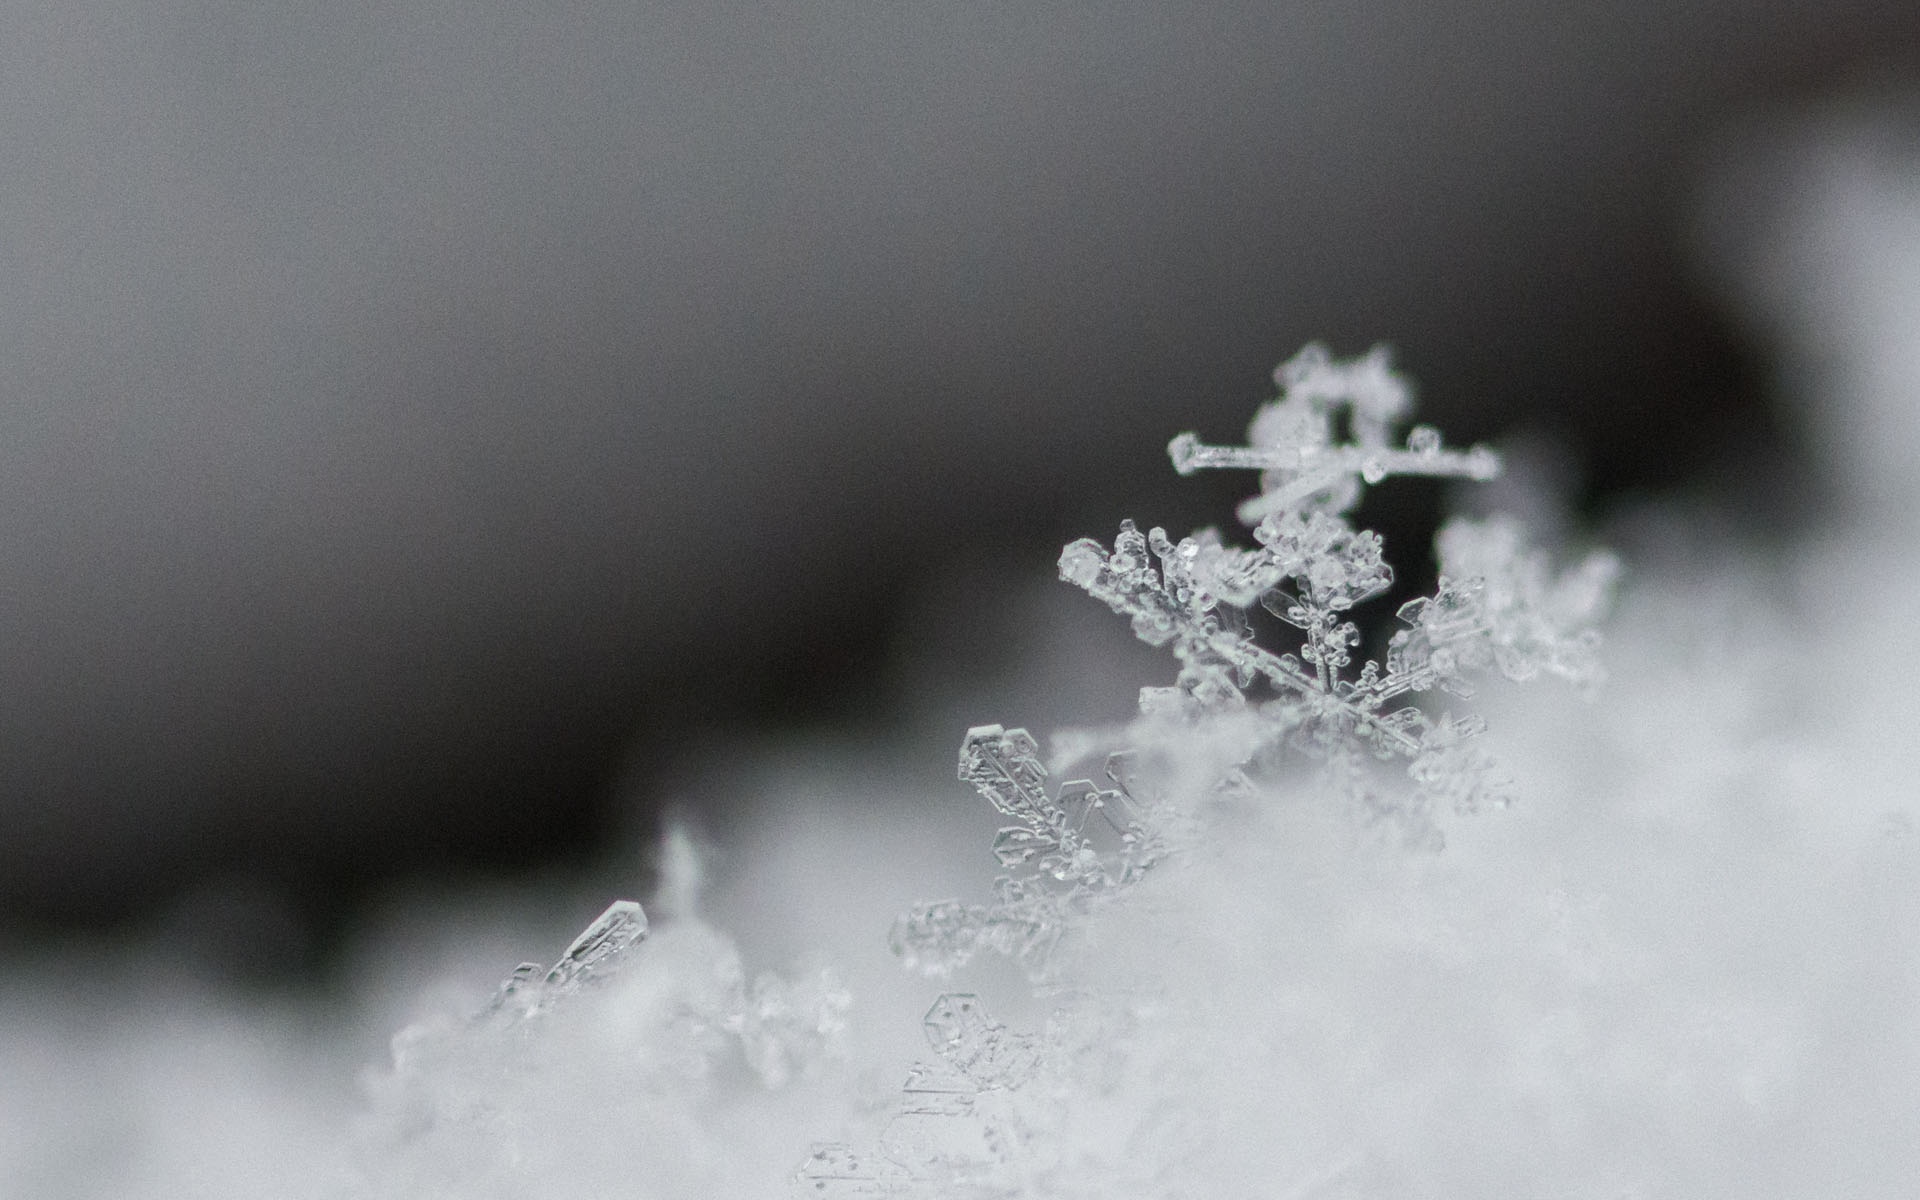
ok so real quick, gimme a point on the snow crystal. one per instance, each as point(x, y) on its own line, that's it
point(595, 954)
point(634, 1037)
point(986, 1121)
point(955, 1132)
point(660, 1029)
point(1067, 848)
point(1292, 441)
point(1499, 604)
point(1684, 969)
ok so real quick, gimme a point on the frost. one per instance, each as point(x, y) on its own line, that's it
point(593, 956)
point(966, 1124)
point(987, 1119)
point(659, 1034)
point(659, 1038)
point(1067, 849)
point(1685, 968)
point(1499, 605)
point(1292, 439)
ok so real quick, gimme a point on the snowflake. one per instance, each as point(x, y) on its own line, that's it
point(985, 1121)
point(958, 1123)
point(1498, 605)
point(1067, 849)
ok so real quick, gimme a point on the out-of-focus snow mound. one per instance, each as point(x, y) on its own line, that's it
point(1687, 964)
point(1684, 965)
point(115, 1085)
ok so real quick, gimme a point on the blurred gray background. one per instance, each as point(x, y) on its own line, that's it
point(423, 422)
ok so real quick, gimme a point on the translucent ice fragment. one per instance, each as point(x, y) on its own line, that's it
point(1082, 561)
point(1018, 843)
point(1535, 619)
point(1453, 772)
point(1165, 702)
point(1339, 565)
point(520, 991)
point(1023, 924)
point(1238, 577)
point(1004, 764)
point(595, 952)
point(1292, 440)
point(950, 1153)
point(598, 948)
point(834, 1172)
point(937, 1091)
point(985, 1051)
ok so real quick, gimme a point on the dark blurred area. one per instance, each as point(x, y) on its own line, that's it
point(421, 420)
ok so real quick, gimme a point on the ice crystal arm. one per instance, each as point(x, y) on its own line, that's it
point(1537, 621)
point(834, 1172)
point(986, 1052)
point(1086, 834)
point(1291, 441)
point(1067, 847)
point(951, 1133)
point(1217, 656)
point(1003, 766)
point(1022, 924)
point(1502, 606)
point(1309, 471)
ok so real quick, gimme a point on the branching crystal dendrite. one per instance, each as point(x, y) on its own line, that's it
point(959, 1127)
point(1067, 849)
point(953, 1134)
point(1498, 605)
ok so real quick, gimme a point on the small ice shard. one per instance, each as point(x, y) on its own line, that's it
point(521, 990)
point(1018, 843)
point(985, 1051)
point(1004, 765)
point(940, 1150)
point(834, 1172)
point(1292, 440)
point(936, 1090)
point(1068, 850)
point(595, 952)
point(952, 1133)
point(623, 925)
point(947, 1132)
